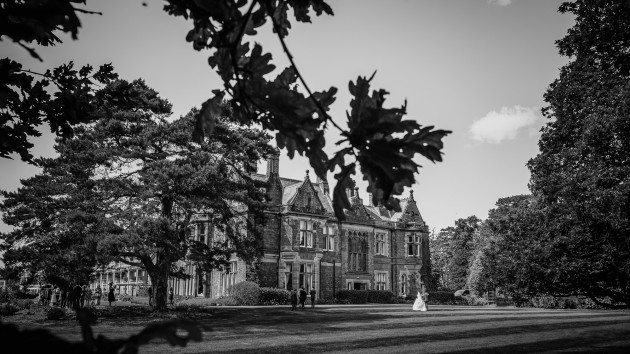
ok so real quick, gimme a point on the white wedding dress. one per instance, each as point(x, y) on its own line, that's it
point(419, 304)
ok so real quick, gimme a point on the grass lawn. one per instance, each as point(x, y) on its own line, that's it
point(383, 329)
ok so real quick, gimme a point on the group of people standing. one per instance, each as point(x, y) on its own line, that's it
point(302, 298)
point(74, 296)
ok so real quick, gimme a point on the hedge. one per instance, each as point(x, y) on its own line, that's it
point(364, 296)
point(245, 293)
point(274, 296)
point(442, 298)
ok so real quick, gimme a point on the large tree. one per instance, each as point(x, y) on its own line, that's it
point(512, 255)
point(451, 252)
point(153, 179)
point(130, 184)
point(582, 174)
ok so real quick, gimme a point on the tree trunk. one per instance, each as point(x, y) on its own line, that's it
point(159, 282)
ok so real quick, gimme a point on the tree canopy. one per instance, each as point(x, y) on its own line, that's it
point(451, 252)
point(147, 182)
point(582, 174)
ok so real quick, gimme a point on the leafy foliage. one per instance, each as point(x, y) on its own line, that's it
point(39, 21)
point(8, 309)
point(27, 103)
point(441, 298)
point(127, 187)
point(153, 179)
point(57, 220)
point(245, 293)
point(274, 296)
point(452, 252)
point(582, 175)
point(514, 259)
point(377, 138)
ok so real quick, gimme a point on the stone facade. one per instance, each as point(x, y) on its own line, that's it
point(305, 245)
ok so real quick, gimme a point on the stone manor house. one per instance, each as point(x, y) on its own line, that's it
point(305, 246)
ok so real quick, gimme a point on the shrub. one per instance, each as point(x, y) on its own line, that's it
point(23, 303)
point(55, 313)
point(187, 308)
point(441, 298)
point(245, 293)
point(473, 300)
point(326, 301)
point(274, 296)
point(7, 294)
point(351, 296)
point(226, 301)
point(380, 296)
point(8, 309)
point(460, 300)
point(504, 301)
point(196, 301)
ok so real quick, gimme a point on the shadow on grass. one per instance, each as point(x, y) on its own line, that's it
point(594, 338)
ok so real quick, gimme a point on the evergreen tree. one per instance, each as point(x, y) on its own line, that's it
point(147, 179)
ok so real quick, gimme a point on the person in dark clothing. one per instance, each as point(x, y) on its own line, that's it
point(313, 293)
point(70, 302)
point(64, 298)
point(83, 295)
point(302, 297)
point(170, 296)
point(294, 299)
point(150, 291)
point(77, 296)
point(111, 297)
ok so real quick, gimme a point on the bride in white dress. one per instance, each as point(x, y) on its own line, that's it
point(419, 304)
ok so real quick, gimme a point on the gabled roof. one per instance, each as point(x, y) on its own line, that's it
point(290, 190)
point(403, 207)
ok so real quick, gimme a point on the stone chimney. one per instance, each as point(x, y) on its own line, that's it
point(273, 164)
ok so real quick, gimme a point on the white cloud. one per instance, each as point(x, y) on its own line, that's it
point(495, 126)
point(500, 2)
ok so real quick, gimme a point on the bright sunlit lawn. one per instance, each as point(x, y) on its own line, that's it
point(382, 329)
